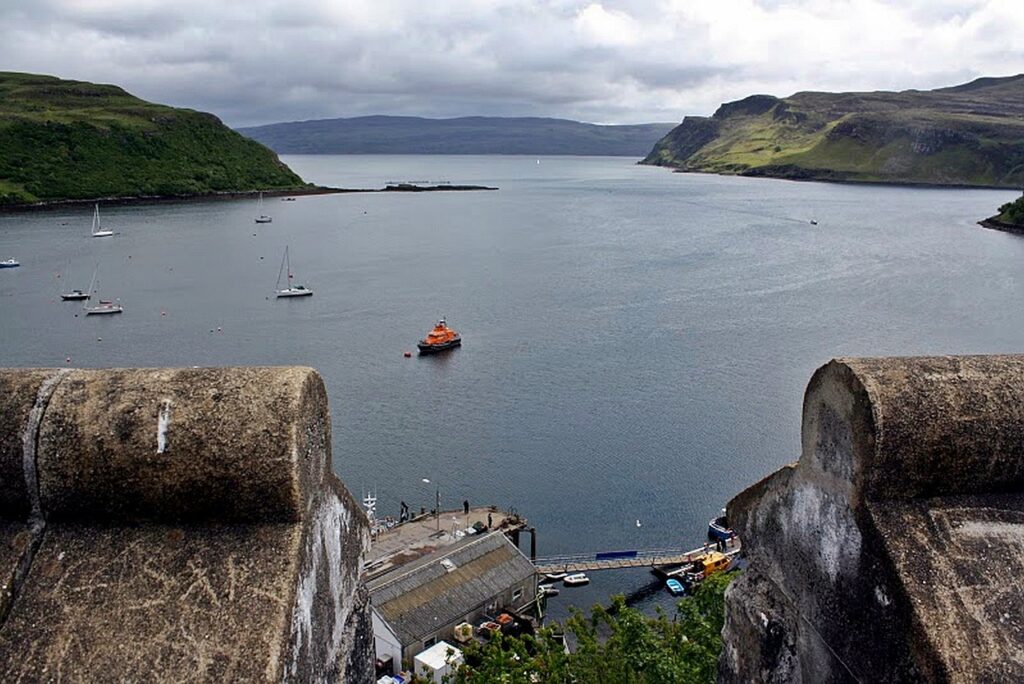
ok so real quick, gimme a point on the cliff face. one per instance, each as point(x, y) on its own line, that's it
point(892, 550)
point(74, 140)
point(966, 135)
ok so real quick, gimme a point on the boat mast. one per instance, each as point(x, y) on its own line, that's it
point(85, 303)
point(281, 269)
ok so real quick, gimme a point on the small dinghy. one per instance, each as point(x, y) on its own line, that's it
point(576, 580)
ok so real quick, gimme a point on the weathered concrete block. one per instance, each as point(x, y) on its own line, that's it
point(892, 550)
point(178, 524)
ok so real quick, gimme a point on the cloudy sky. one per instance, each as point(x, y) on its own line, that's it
point(614, 61)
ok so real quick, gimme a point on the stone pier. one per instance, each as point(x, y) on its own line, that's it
point(176, 525)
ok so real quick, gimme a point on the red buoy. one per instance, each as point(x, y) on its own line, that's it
point(407, 354)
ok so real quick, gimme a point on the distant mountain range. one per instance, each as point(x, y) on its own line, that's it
point(467, 135)
point(73, 140)
point(970, 135)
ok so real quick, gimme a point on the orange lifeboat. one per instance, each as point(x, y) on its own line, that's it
point(439, 339)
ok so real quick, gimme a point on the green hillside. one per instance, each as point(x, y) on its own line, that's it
point(465, 135)
point(74, 140)
point(966, 135)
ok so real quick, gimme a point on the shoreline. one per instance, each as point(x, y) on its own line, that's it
point(993, 223)
point(839, 181)
point(228, 196)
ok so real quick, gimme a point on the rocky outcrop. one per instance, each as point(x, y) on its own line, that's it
point(684, 140)
point(176, 525)
point(892, 551)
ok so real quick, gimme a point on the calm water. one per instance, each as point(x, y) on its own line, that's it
point(636, 342)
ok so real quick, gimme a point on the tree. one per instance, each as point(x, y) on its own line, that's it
point(614, 645)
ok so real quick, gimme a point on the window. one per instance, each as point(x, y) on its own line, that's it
point(516, 595)
point(429, 642)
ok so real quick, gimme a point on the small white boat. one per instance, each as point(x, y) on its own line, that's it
point(260, 216)
point(547, 589)
point(555, 576)
point(576, 580)
point(105, 306)
point(9, 263)
point(97, 228)
point(290, 290)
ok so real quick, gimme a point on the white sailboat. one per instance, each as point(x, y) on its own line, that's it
point(260, 216)
point(290, 290)
point(97, 229)
point(74, 294)
point(104, 306)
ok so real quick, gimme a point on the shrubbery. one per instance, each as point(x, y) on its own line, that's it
point(1013, 212)
point(617, 645)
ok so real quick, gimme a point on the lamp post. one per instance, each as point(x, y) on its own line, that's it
point(437, 503)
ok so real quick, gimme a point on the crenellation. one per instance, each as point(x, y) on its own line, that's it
point(187, 526)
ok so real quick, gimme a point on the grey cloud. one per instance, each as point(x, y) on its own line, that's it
point(631, 61)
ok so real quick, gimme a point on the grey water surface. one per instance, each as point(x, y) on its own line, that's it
point(636, 342)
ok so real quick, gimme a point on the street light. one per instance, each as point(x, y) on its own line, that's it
point(437, 504)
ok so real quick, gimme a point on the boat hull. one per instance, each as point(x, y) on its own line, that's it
point(264, 220)
point(717, 531)
point(290, 293)
point(426, 348)
point(577, 580)
point(103, 312)
point(15, 265)
point(74, 297)
point(103, 233)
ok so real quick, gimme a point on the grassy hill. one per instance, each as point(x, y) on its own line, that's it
point(467, 135)
point(971, 135)
point(75, 140)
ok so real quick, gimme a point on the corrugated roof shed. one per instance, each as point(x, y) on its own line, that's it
point(418, 599)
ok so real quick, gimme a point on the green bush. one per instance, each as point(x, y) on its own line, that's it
point(615, 645)
point(1013, 212)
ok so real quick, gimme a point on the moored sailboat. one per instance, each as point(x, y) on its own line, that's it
point(105, 306)
point(290, 290)
point(260, 216)
point(97, 227)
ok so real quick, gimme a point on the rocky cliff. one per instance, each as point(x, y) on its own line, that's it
point(970, 135)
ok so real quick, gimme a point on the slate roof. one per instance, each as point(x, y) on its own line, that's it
point(417, 599)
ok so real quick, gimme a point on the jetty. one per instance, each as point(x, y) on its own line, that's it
point(660, 561)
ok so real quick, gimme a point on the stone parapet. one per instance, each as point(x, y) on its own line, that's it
point(892, 550)
point(176, 525)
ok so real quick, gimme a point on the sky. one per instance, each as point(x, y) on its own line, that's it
point(615, 61)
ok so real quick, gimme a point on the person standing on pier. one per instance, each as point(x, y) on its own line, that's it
point(465, 506)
